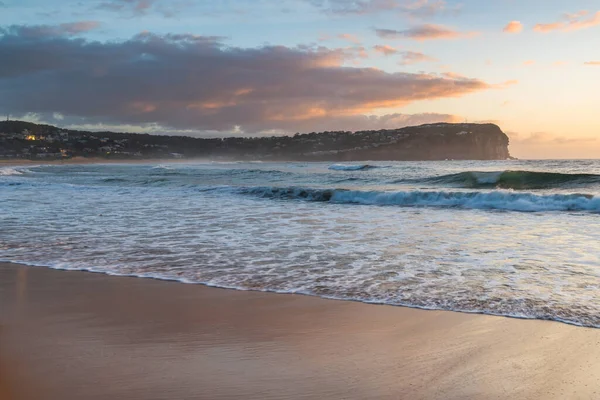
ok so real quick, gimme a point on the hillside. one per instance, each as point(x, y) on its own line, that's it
point(25, 140)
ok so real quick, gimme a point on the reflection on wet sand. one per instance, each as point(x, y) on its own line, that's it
point(92, 336)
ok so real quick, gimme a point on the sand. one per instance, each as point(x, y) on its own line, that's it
point(78, 335)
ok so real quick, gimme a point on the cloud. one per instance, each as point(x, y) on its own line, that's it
point(349, 37)
point(412, 8)
point(595, 63)
point(506, 84)
point(367, 122)
point(143, 7)
point(355, 7)
point(414, 57)
point(529, 63)
point(513, 27)
point(320, 124)
point(424, 32)
point(134, 6)
point(197, 82)
point(385, 49)
point(546, 145)
point(545, 138)
point(42, 31)
point(571, 22)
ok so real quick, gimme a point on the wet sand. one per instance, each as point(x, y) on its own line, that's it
point(77, 335)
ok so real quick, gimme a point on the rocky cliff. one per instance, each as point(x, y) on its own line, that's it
point(435, 142)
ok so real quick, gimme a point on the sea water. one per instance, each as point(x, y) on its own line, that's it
point(513, 238)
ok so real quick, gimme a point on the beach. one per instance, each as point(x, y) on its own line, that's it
point(67, 334)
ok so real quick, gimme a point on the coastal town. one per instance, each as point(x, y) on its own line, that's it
point(24, 140)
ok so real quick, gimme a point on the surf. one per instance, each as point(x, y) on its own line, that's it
point(495, 200)
point(516, 180)
point(354, 167)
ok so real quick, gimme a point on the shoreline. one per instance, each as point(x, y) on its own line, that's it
point(330, 298)
point(89, 335)
point(97, 160)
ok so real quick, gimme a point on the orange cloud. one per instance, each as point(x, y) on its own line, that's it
point(529, 62)
point(592, 63)
point(349, 37)
point(414, 57)
point(570, 22)
point(552, 145)
point(411, 8)
point(256, 89)
point(513, 27)
point(142, 107)
point(506, 84)
point(541, 138)
point(424, 32)
point(385, 49)
point(62, 30)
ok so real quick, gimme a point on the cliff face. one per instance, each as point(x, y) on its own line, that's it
point(426, 142)
point(441, 142)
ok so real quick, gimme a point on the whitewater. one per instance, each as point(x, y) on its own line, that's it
point(511, 238)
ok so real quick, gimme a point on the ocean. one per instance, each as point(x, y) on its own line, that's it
point(511, 238)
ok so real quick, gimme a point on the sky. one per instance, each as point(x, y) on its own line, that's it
point(272, 67)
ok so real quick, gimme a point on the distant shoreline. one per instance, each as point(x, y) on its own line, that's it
point(95, 160)
point(440, 141)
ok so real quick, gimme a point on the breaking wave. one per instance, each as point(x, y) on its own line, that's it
point(7, 171)
point(497, 200)
point(517, 180)
point(357, 167)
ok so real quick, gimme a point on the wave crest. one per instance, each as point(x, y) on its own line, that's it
point(517, 180)
point(347, 167)
point(497, 200)
point(8, 171)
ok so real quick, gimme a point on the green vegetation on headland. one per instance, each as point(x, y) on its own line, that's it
point(25, 140)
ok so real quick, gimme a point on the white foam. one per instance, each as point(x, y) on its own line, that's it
point(420, 252)
point(345, 167)
point(499, 200)
point(8, 171)
point(494, 200)
point(162, 166)
point(487, 177)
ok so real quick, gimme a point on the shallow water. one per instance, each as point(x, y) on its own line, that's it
point(517, 238)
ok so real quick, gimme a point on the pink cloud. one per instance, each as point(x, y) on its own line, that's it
point(541, 138)
point(506, 84)
point(570, 22)
point(349, 37)
point(385, 49)
point(217, 87)
point(412, 8)
point(424, 32)
point(67, 29)
point(414, 57)
point(513, 27)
